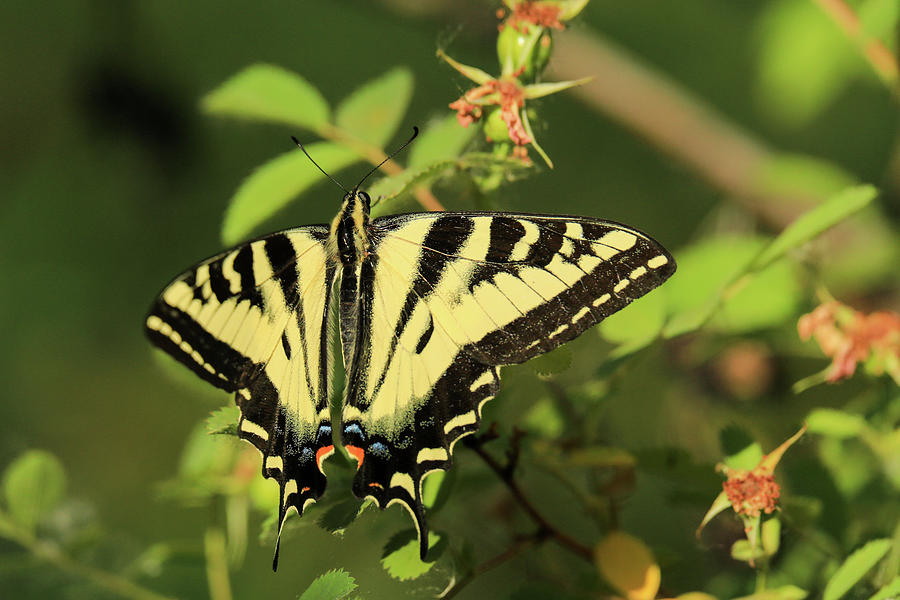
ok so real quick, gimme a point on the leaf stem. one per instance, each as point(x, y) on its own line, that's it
point(492, 563)
point(52, 554)
point(879, 56)
point(214, 548)
point(505, 473)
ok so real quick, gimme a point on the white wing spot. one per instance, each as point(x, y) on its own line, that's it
point(469, 418)
point(431, 454)
point(404, 481)
point(484, 378)
point(657, 261)
point(637, 272)
point(581, 313)
point(621, 285)
point(618, 239)
point(520, 250)
point(601, 300)
point(290, 487)
point(275, 462)
point(253, 428)
point(559, 330)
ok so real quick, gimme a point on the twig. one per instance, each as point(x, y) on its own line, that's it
point(52, 554)
point(879, 56)
point(214, 547)
point(491, 563)
point(678, 122)
point(506, 475)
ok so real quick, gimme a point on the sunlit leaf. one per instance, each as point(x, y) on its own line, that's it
point(855, 568)
point(269, 93)
point(373, 111)
point(273, 185)
point(401, 555)
point(835, 423)
point(386, 189)
point(770, 537)
point(333, 585)
point(627, 564)
point(879, 19)
point(889, 592)
point(785, 592)
point(812, 223)
point(642, 319)
point(224, 420)
point(33, 485)
point(741, 450)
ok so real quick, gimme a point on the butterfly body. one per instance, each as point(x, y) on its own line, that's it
point(430, 305)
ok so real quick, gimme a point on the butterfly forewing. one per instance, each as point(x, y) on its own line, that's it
point(252, 320)
point(446, 298)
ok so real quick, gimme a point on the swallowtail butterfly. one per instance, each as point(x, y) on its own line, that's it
point(430, 305)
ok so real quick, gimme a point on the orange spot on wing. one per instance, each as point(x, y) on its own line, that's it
point(304, 490)
point(357, 453)
point(375, 484)
point(321, 454)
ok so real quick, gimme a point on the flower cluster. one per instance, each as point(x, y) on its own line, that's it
point(523, 49)
point(851, 337)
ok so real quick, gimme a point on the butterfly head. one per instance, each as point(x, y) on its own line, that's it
point(350, 227)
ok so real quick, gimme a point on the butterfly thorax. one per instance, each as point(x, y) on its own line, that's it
point(349, 229)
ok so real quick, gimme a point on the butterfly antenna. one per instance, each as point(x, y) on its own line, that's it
point(336, 182)
point(393, 154)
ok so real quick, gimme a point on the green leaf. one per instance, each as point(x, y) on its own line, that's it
point(333, 585)
point(879, 19)
point(273, 185)
point(814, 222)
point(741, 451)
point(544, 419)
point(554, 362)
point(855, 567)
point(643, 319)
point(373, 111)
point(442, 139)
point(835, 423)
point(437, 488)
point(889, 592)
point(340, 515)
point(387, 189)
point(785, 592)
point(269, 93)
point(224, 420)
point(800, 175)
point(33, 485)
point(770, 538)
point(401, 555)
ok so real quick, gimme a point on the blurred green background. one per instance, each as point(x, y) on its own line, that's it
point(113, 181)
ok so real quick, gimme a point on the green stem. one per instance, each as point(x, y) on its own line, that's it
point(215, 549)
point(51, 553)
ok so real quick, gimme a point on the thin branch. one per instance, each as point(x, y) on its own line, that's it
point(53, 555)
point(375, 156)
point(678, 122)
point(876, 53)
point(491, 563)
point(506, 475)
point(215, 550)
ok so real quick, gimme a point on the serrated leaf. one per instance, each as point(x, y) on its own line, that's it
point(274, 184)
point(224, 420)
point(373, 111)
point(269, 93)
point(333, 585)
point(628, 565)
point(442, 139)
point(386, 189)
point(855, 568)
point(812, 223)
point(33, 485)
point(400, 557)
point(835, 423)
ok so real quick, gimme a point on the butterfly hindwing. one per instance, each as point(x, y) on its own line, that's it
point(252, 321)
point(445, 299)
